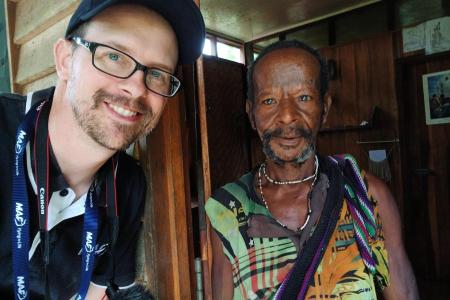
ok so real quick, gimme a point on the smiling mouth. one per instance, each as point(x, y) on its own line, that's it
point(288, 137)
point(289, 141)
point(122, 111)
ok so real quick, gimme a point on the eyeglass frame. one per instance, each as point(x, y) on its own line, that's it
point(92, 46)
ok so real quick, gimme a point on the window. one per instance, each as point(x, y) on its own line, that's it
point(207, 48)
point(223, 48)
point(229, 52)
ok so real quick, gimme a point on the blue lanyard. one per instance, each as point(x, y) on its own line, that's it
point(20, 214)
point(20, 211)
point(89, 239)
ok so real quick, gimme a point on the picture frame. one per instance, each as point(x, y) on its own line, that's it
point(436, 96)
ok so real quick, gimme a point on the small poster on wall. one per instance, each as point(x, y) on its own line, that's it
point(413, 38)
point(437, 35)
point(436, 92)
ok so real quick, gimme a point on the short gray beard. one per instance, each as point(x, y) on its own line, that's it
point(301, 158)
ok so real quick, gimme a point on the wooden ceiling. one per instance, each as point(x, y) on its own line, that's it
point(248, 20)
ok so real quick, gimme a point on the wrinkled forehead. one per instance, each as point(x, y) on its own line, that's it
point(286, 67)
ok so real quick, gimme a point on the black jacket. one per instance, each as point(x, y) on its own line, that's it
point(65, 238)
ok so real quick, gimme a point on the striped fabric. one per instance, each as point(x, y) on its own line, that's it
point(360, 208)
point(259, 265)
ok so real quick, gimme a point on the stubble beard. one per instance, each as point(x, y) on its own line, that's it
point(303, 156)
point(94, 126)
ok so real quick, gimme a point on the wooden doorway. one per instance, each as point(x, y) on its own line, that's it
point(425, 169)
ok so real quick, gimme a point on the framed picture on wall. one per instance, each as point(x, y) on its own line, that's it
point(436, 93)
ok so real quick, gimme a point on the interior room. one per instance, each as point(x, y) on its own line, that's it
point(383, 57)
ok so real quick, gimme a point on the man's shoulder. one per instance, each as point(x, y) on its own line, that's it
point(238, 191)
point(131, 178)
point(244, 182)
point(11, 102)
point(7, 96)
point(128, 165)
point(17, 102)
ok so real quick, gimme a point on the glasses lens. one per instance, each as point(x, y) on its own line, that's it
point(162, 82)
point(113, 62)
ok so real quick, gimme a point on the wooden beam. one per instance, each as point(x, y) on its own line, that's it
point(168, 199)
point(34, 17)
point(39, 84)
point(315, 21)
point(35, 56)
point(332, 31)
point(10, 13)
point(205, 242)
point(248, 53)
point(390, 13)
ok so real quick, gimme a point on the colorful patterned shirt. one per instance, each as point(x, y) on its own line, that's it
point(260, 264)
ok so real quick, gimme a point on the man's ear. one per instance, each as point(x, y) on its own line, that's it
point(249, 110)
point(326, 107)
point(62, 53)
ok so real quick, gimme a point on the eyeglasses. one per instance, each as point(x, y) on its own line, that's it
point(121, 65)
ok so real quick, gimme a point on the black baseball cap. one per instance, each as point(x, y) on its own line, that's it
point(183, 15)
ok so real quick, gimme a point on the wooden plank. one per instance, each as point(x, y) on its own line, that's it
point(10, 13)
point(344, 109)
point(365, 80)
point(36, 55)
point(169, 205)
point(415, 137)
point(40, 83)
point(5, 84)
point(187, 93)
point(226, 120)
point(205, 241)
point(146, 252)
point(248, 54)
point(34, 17)
point(438, 204)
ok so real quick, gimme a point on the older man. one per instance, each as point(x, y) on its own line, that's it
point(71, 200)
point(302, 226)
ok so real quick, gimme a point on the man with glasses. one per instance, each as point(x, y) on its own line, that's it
point(71, 200)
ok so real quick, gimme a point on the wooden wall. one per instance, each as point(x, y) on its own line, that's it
point(426, 171)
point(34, 26)
point(371, 73)
point(226, 119)
point(365, 80)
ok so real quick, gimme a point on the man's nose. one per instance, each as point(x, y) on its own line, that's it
point(134, 86)
point(288, 112)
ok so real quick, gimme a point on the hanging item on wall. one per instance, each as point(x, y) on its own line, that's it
point(379, 164)
point(437, 35)
point(413, 38)
point(332, 69)
point(436, 94)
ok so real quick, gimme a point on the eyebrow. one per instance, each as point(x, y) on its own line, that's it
point(127, 51)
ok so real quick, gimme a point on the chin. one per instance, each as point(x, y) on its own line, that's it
point(114, 145)
point(282, 157)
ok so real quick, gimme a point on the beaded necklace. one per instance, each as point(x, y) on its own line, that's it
point(299, 229)
point(281, 182)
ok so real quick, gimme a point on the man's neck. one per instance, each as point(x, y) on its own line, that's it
point(291, 170)
point(78, 155)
